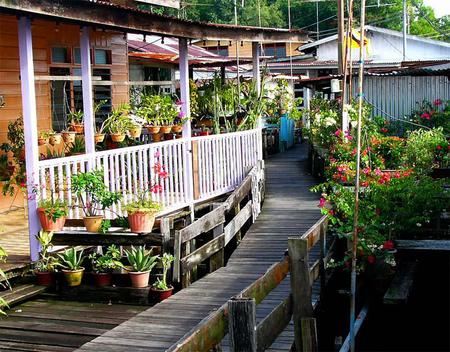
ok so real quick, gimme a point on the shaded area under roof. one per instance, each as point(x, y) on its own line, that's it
point(131, 20)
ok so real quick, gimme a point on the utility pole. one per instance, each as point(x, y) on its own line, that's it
point(405, 25)
point(341, 52)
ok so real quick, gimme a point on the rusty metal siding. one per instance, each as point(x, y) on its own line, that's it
point(397, 96)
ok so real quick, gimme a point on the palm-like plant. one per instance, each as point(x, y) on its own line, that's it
point(71, 259)
point(140, 259)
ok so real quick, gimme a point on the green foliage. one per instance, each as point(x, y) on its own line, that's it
point(118, 121)
point(77, 147)
point(166, 261)
point(107, 262)
point(143, 205)
point(140, 259)
point(46, 261)
point(71, 259)
point(105, 226)
point(92, 192)
point(76, 117)
point(54, 208)
point(421, 147)
point(158, 110)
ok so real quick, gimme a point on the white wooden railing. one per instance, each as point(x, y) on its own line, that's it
point(219, 162)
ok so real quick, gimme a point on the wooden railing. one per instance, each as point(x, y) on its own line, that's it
point(187, 257)
point(245, 334)
point(210, 165)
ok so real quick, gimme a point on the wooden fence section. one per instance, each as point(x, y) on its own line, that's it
point(187, 257)
point(298, 304)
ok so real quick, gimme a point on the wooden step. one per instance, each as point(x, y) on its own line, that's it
point(21, 293)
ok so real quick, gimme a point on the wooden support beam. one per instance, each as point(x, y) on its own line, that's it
point(423, 245)
point(301, 291)
point(165, 235)
point(218, 259)
point(30, 127)
point(358, 323)
point(242, 324)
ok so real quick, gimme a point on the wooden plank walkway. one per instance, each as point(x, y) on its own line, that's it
point(59, 326)
point(289, 209)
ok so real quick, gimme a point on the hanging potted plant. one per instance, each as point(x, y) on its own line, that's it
point(54, 138)
point(44, 268)
point(142, 209)
point(43, 137)
point(104, 265)
point(71, 261)
point(68, 136)
point(141, 264)
point(161, 290)
point(76, 121)
point(93, 197)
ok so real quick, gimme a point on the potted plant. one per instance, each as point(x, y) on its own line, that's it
point(167, 114)
point(141, 264)
point(77, 147)
point(71, 261)
point(76, 118)
point(68, 136)
point(43, 137)
point(103, 265)
point(99, 135)
point(135, 127)
point(118, 123)
point(52, 213)
point(45, 266)
point(93, 197)
point(161, 290)
point(54, 138)
point(149, 109)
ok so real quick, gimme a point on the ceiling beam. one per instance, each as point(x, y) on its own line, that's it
point(131, 20)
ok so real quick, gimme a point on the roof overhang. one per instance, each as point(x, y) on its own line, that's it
point(130, 20)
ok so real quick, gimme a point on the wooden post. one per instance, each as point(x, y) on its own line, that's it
point(165, 234)
point(217, 260)
point(301, 292)
point(257, 79)
point(309, 334)
point(30, 127)
point(88, 97)
point(242, 324)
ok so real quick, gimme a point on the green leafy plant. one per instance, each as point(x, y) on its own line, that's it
point(76, 117)
point(166, 261)
point(118, 121)
point(71, 259)
point(54, 208)
point(140, 259)
point(91, 191)
point(46, 261)
point(77, 147)
point(4, 283)
point(107, 262)
point(105, 226)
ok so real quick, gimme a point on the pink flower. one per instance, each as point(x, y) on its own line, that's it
point(181, 114)
point(179, 102)
point(348, 135)
point(157, 154)
point(322, 202)
point(338, 133)
point(425, 116)
point(437, 102)
point(366, 170)
point(378, 172)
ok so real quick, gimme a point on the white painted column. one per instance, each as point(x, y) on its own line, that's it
point(257, 79)
point(88, 96)
point(184, 85)
point(30, 127)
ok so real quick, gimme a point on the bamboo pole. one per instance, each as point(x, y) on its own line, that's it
point(358, 160)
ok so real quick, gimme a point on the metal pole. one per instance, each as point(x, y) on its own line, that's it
point(88, 97)
point(341, 55)
point(184, 84)
point(29, 127)
point(404, 28)
point(237, 59)
point(317, 20)
point(358, 160)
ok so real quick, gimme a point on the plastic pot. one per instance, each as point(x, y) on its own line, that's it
point(153, 129)
point(99, 137)
point(45, 278)
point(135, 132)
point(161, 295)
point(166, 129)
point(93, 223)
point(139, 279)
point(73, 277)
point(48, 224)
point(78, 128)
point(117, 137)
point(141, 222)
point(102, 279)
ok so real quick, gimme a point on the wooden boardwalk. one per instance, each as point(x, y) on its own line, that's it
point(289, 209)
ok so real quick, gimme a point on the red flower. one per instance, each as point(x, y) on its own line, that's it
point(437, 102)
point(371, 259)
point(438, 147)
point(384, 130)
point(425, 116)
point(364, 183)
point(389, 244)
point(338, 133)
point(322, 202)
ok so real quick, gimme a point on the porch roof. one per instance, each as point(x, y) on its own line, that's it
point(131, 20)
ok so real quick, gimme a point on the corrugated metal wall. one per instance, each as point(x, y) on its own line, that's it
point(397, 95)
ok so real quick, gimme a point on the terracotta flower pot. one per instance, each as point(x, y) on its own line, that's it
point(156, 137)
point(177, 128)
point(139, 279)
point(161, 295)
point(42, 141)
point(55, 139)
point(203, 133)
point(45, 278)
point(153, 129)
point(99, 137)
point(135, 132)
point(93, 223)
point(68, 137)
point(48, 224)
point(141, 222)
point(166, 129)
point(117, 137)
point(78, 128)
point(102, 279)
point(73, 277)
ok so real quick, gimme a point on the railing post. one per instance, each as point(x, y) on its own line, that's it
point(257, 79)
point(184, 84)
point(30, 127)
point(304, 322)
point(242, 324)
point(88, 98)
point(217, 260)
